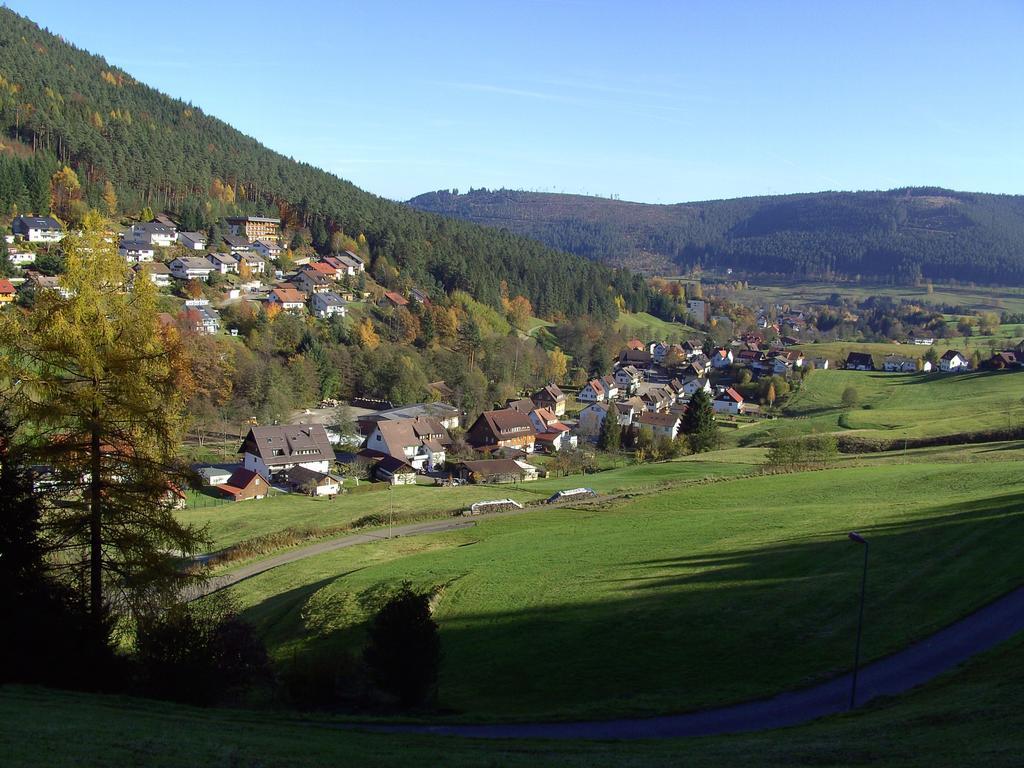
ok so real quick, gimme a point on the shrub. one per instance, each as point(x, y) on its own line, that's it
point(321, 680)
point(199, 653)
point(404, 653)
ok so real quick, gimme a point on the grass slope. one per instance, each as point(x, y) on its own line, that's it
point(648, 327)
point(696, 596)
point(893, 405)
point(229, 523)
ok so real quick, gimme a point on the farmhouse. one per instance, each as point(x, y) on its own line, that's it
point(591, 418)
point(496, 471)
point(502, 429)
point(419, 442)
point(898, 364)
point(392, 299)
point(245, 484)
point(552, 435)
point(38, 229)
point(728, 401)
point(394, 471)
point(659, 425)
point(953, 362)
point(312, 483)
point(274, 449)
point(593, 392)
point(859, 361)
point(550, 397)
point(1005, 359)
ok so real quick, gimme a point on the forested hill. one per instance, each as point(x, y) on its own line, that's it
point(60, 104)
point(898, 235)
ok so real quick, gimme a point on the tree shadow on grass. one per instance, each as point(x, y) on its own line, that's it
point(678, 633)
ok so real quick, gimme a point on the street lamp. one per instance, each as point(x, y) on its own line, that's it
point(856, 538)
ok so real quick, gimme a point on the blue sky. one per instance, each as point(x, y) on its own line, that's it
point(650, 101)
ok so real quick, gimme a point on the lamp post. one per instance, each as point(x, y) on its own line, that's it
point(858, 539)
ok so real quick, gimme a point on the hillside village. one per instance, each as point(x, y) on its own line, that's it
point(646, 390)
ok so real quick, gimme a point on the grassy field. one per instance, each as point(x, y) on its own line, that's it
point(974, 716)
point(894, 405)
point(230, 523)
point(986, 299)
point(836, 351)
point(648, 327)
point(700, 595)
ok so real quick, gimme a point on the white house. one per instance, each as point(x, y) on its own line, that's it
point(721, 358)
point(288, 298)
point(897, 364)
point(268, 249)
point(659, 425)
point(159, 275)
point(327, 305)
point(256, 263)
point(591, 418)
point(269, 450)
point(313, 483)
point(136, 251)
point(627, 378)
point(728, 401)
point(194, 241)
point(418, 442)
point(693, 385)
point(552, 434)
point(154, 233)
point(191, 268)
point(593, 392)
point(202, 320)
point(38, 229)
point(953, 362)
point(222, 262)
point(21, 258)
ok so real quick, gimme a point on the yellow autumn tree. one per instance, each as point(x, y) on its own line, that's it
point(557, 365)
point(519, 311)
point(109, 198)
point(64, 189)
point(368, 338)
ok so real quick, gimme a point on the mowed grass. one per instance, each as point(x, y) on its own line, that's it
point(229, 523)
point(974, 716)
point(897, 405)
point(697, 596)
point(649, 328)
point(982, 299)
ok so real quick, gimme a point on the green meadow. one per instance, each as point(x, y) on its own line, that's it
point(698, 595)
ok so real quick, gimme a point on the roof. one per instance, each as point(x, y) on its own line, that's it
point(403, 433)
point(296, 442)
point(395, 298)
point(260, 219)
point(635, 344)
point(194, 262)
point(288, 295)
point(507, 421)
point(494, 467)
point(300, 475)
point(395, 466)
point(549, 393)
point(195, 237)
point(320, 267)
point(135, 245)
point(6, 286)
point(38, 222)
point(237, 241)
point(597, 385)
point(329, 299)
point(240, 479)
point(730, 394)
point(658, 419)
point(950, 354)
point(859, 358)
point(221, 258)
point(441, 388)
point(523, 404)
point(154, 227)
point(153, 268)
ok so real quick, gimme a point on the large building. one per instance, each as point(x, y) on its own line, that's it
point(270, 450)
point(254, 227)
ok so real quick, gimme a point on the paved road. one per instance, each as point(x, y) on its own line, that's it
point(892, 675)
point(301, 553)
point(895, 674)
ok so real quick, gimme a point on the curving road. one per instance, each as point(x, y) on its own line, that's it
point(895, 674)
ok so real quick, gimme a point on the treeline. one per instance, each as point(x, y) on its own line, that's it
point(154, 151)
point(898, 236)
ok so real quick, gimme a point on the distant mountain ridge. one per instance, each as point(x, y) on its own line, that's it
point(898, 235)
